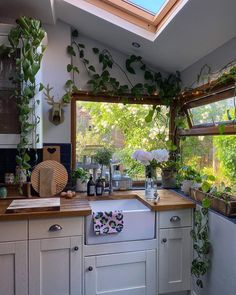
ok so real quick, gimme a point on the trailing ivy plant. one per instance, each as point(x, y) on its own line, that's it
point(201, 243)
point(102, 81)
point(27, 35)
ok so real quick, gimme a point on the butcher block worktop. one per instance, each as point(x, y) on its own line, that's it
point(79, 206)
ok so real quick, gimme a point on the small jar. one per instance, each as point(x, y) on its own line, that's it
point(21, 175)
point(9, 178)
point(3, 192)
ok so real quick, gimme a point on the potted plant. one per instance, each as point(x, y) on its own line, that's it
point(80, 177)
point(220, 197)
point(189, 177)
point(169, 174)
point(103, 157)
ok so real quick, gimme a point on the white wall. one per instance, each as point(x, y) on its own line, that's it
point(220, 279)
point(216, 60)
point(54, 73)
point(54, 65)
point(115, 71)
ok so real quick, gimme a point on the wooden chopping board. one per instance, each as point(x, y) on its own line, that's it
point(52, 152)
point(34, 205)
point(60, 175)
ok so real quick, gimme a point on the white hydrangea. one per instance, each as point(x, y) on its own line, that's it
point(143, 157)
point(161, 155)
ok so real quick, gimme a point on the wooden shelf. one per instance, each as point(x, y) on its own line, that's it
point(13, 190)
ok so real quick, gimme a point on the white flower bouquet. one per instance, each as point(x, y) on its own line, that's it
point(155, 157)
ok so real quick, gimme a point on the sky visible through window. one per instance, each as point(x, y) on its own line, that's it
point(151, 5)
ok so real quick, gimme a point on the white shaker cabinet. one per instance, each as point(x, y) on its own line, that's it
point(13, 268)
point(55, 266)
point(129, 273)
point(13, 258)
point(174, 251)
point(55, 256)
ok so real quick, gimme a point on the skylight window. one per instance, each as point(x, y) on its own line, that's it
point(152, 6)
point(148, 14)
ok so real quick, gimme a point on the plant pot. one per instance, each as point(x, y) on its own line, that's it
point(186, 185)
point(227, 208)
point(169, 178)
point(80, 186)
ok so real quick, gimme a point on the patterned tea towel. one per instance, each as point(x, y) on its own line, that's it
point(110, 222)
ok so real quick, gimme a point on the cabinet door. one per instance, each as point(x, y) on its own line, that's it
point(55, 266)
point(131, 273)
point(13, 268)
point(175, 256)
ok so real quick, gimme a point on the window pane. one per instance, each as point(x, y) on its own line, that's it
point(151, 5)
point(121, 127)
point(223, 110)
point(214, 155)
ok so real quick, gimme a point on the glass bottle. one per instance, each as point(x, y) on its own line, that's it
point(99, 187)
point(91, 187)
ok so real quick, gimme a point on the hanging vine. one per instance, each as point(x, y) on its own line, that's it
point(27, 35)
point(201, 243)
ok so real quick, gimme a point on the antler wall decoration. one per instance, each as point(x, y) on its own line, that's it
point(56, 113)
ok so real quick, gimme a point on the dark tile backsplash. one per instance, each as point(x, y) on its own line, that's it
point(8, 156)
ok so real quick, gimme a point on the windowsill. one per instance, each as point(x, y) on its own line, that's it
point(231, 219)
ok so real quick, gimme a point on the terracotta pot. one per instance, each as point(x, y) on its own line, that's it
point(169, 178)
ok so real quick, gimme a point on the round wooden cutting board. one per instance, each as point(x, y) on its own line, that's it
point(59, 171)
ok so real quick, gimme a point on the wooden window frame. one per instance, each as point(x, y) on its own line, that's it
point(136, 15)
point(204, 95)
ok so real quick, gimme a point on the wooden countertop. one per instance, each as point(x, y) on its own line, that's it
point(79, 206)
point(169, 200)
point(69, 208)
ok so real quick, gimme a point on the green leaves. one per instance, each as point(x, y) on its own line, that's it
point(69, 68)
point(221, 129)
point(71, 51)
point(28, 35)
point(96, 50)
point(149, 117)
point(206, 203)
point(92, 68)
point(201, 243)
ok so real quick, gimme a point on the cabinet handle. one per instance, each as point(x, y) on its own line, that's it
point(90, 268)
point(175, 219)
point(76, 248)
point(55, 227)
point(163, 241)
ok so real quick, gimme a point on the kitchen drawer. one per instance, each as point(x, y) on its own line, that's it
point(175, 218)
point(13, 230)
point(55, 227)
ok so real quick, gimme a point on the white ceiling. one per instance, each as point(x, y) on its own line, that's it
point(198, 28)
point(41, 9)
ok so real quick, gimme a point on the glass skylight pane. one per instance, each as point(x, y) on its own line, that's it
point(151, 5)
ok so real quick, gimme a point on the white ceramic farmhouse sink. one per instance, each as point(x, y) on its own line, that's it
point(139, 221)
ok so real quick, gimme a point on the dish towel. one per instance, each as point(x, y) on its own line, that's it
point(110, 222)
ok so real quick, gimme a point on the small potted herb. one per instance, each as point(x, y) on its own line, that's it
point(189, 177)
point(80, 177)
